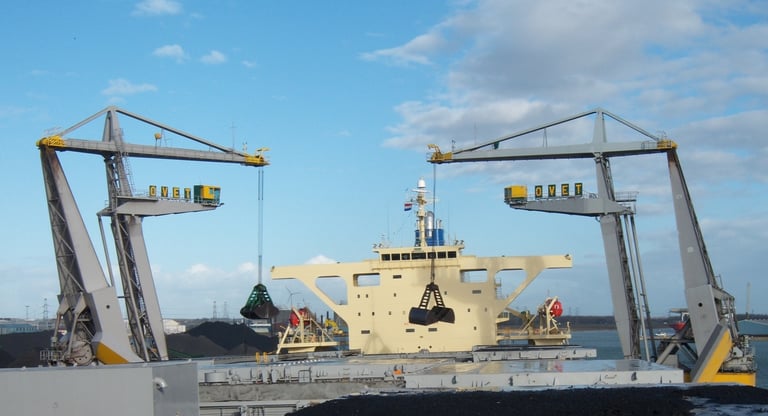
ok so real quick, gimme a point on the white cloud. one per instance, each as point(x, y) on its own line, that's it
point(171, 51)
point(432, 122)
point(157, 8)
point(249, 64)
point(560, 57)
point(214, 58)
point(188, 293)
point(416, 51)
point(744, 129)
point(247, 267)
point(198, 269)
point(122, 86)
point(116, 100)
point(10, 111)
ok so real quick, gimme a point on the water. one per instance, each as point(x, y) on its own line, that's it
point(606, 342)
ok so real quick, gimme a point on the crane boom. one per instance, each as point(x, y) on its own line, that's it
point(599, 144)
point(490, 150)
point(110, 148)
point(107, 145)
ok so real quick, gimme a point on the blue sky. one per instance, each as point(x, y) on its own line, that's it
point(348, 94)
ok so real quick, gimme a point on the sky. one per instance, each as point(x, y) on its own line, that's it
point(347, 95)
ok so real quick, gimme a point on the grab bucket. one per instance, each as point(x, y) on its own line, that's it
point(421, 315)
point(259, 305)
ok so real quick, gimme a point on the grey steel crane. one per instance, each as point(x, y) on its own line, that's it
point(721, 354)
point(89, 307)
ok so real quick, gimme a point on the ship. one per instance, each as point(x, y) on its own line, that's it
point(429, 296)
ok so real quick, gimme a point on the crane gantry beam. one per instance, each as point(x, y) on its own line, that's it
point(490, 150)
point(109, 146)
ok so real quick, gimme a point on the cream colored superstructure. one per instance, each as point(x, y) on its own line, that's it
point(381, 292)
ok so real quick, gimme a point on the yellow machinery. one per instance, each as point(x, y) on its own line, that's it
point(516, 194)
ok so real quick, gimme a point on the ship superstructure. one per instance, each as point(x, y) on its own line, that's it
point(381, 292)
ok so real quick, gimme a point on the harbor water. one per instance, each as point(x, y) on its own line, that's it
point(606, 342)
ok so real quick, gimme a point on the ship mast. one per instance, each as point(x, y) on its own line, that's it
point(421, 212)
point(422, 314)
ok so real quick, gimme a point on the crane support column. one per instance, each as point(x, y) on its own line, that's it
point(622, 290)
point(88, 306)
point(142, 306)
point(702, 295)
point(723, 354)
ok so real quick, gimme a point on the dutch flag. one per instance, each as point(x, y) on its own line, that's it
point(407, 206)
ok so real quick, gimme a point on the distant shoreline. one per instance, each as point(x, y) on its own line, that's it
point(582, 328)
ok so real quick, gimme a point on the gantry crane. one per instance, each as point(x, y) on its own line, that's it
point(721, 354)
point(89, 309)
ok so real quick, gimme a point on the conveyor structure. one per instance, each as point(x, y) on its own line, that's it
point(89, 309)
point(721, 353)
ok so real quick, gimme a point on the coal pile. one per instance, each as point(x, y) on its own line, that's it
point(608, 401)
point(209, 339)
point(23, 349)
point(216, 339)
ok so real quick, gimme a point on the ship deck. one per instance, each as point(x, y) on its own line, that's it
point(444, 371)
point(515, 374)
